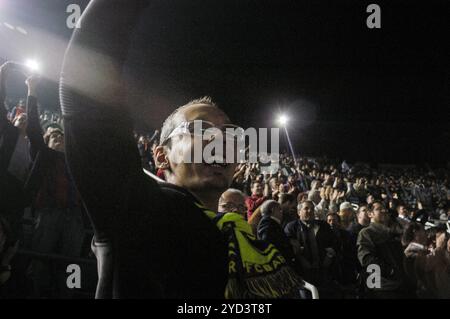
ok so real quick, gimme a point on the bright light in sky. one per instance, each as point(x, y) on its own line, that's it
point(283, 120)
point(33, 65)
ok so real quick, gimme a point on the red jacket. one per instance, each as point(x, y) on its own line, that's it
point(253, 203)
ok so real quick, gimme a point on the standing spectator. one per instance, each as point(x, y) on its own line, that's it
point(403, 215)
point(232, 201)
point(256, 199)
point(137, 220)
point(415, 240)
point(362, 221)
point(288, 205)
point(378, 246)
point(14, 160)
point(347, 214)
point(59, 227)
point(345, 266)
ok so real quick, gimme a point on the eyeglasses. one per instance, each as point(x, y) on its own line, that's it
point(199, 127)
point(231, 207)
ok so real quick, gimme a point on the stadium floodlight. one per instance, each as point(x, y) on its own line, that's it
point(33, 65)
point(283, 120)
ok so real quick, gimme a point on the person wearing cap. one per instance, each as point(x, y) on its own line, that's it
point(347, 214)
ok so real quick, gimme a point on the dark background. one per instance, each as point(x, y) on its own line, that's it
point(350, 92)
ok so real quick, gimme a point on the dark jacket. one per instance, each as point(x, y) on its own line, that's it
point(272, 232)
point(153, 240)
point(378, 245)
point(347, 265)
point(324, 237)
point(48, 180)
point(13, 198)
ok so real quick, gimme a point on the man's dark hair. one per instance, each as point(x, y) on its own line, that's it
point(300, 205)
point(255, 182)
point(334, 215)
point(371, 206)
point(410, 232)
point(268, 206)
point(285, 198)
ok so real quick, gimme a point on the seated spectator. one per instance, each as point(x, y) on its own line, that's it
point(232, 201)
point(288, 205)
point(313, 244)
point(345, 267)
point(270, 230)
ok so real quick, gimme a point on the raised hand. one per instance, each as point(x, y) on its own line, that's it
point(32, 82)
point(334, 195)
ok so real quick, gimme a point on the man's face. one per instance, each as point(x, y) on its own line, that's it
point(289, 207)
point(370, 199)
point(21, 121)
point(333, 221)
point(347, 215)
point(378, 214)
point(199, 176)
point(232, 202)
point(306, 213)
point(274, 184)
point(257, 189)
point(56, 141)
point(363, 216)
point(403, 211)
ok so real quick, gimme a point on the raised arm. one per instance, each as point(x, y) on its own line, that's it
point(3, 118)
point(100, 148)
point(34, 130)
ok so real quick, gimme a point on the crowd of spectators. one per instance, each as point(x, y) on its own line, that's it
point(333, 220)
point(338, 225)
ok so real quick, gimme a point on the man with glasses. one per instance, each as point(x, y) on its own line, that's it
point(152, 240)
point(182, 151)
point(232, 200)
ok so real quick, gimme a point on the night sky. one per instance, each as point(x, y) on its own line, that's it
point(351, 92)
